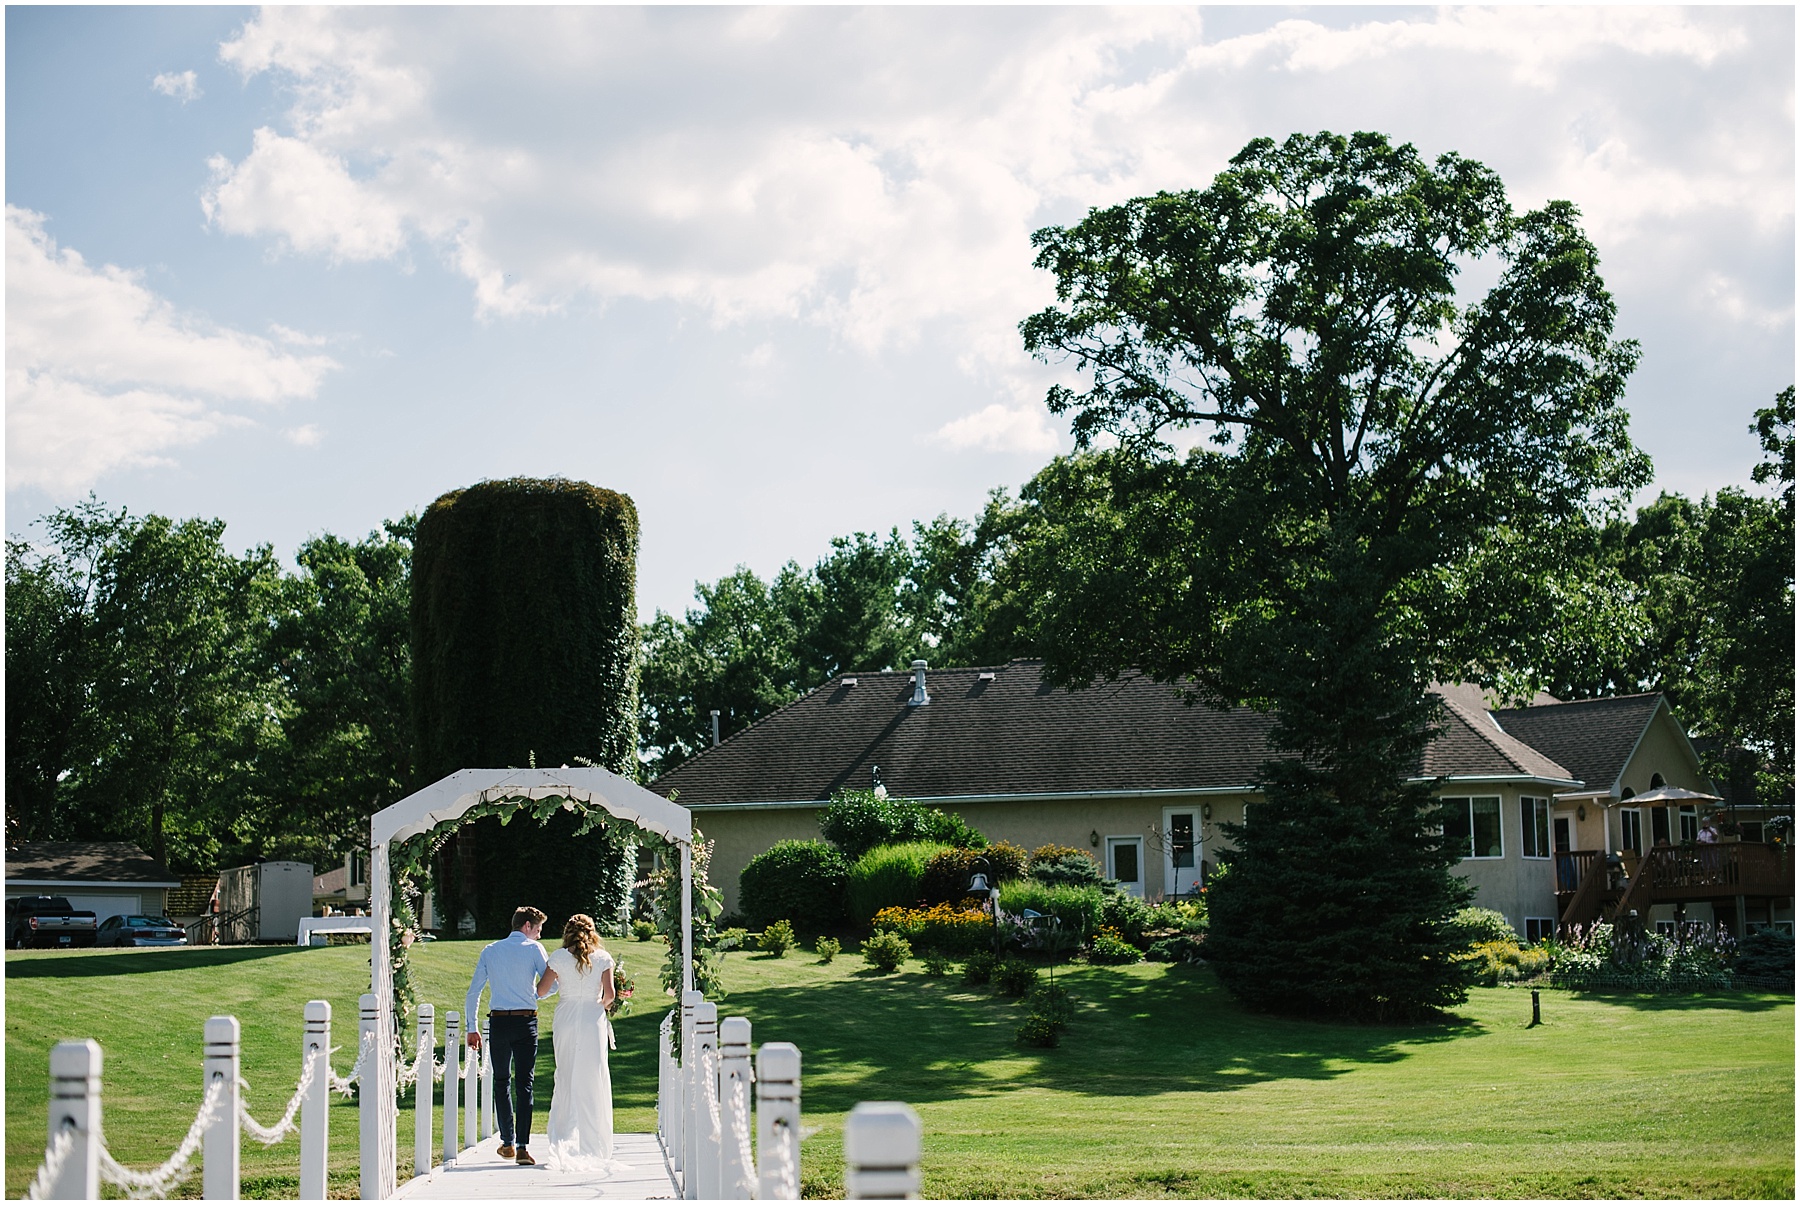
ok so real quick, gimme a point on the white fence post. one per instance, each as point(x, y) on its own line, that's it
point(735, 1079)
point(778, 1121)
point(690, 999)
point(490, 1118)
point(75, 1109)
point(453, 1043)
point(882, 1142)
point(706, 1077)
point(422, 1091)
point(315, 1110)
point(368, 1095)
point(471, 1089)
point(220, 1146)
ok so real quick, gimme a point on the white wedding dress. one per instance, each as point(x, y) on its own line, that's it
point(580, 1134)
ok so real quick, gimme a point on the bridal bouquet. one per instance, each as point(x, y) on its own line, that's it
point(624, 986)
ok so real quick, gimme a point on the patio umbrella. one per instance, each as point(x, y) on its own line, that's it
point(1671, 795)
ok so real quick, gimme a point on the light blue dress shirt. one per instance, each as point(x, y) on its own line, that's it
point(510, 968)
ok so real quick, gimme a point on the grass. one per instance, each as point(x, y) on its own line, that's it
point(1162, 1088)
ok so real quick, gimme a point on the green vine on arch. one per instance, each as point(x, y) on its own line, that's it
point(409, 864)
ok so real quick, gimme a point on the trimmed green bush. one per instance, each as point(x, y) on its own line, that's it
point(1474, 926)
point(1766, 958)
point(947, 874)
point(777, 939)
point(1127, 916)
point(524, 648)
point(1015, 977)
point(1052, 1002)
point(886, 951)
point(1069, 869)
point(642, 930)
point(733, 938)
point(1183, 947)
point(938, 964)
point(979, 968)
point(1038, 1031)
point(798, 881)
point(887, 876)
point(1077, 907)
point(827, 948)
point(858, 820)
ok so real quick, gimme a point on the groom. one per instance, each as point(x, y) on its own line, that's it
point(510, 968)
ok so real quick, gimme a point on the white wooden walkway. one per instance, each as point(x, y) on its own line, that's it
point(479, 1173)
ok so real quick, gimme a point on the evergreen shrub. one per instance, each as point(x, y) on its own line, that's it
point(886, 951)
point(1181, 947)
point(1765, 958)
point(642, 930)
point(777, 939)
point(827, 948)
point(1127, 916)
point(1073, 868)
point(1052, 1002)
point(1474, 926)
point(798, 881)
point(887, 876)
point(1015, 977)
point(979, 967)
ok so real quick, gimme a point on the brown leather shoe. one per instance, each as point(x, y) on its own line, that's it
point(506, 1151)
point(525, 1159)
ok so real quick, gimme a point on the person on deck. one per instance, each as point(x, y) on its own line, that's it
point(510, 968)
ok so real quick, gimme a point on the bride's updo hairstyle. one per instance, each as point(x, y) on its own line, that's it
point(581, 939)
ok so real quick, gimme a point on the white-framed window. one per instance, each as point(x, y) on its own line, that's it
point(1631, 830)
point(1472, 826)
point(1688, 817)
point(1125, 862)
point(1537, 928)
point(1534, 827)
point(1665, 928)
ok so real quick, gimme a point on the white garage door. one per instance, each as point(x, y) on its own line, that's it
point(103, 906)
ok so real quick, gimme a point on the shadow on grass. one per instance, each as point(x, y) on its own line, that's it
point(93, 964)
point(914, 1038)
point(1651, 1002)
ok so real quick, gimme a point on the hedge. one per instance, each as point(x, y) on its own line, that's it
point(887, 876)
point(1077, 907)
point(798, 881)
point(524, 646)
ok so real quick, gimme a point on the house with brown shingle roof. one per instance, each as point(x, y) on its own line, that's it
point(107, 878)
point(1143, 779)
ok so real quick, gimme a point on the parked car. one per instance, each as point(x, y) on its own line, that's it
point(140, 931)
point(47, 920)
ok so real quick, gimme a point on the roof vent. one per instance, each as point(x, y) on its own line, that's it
point(986, 675)
point(920, 695)
point(849, 682)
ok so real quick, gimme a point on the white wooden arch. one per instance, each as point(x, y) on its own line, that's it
point(451, 797)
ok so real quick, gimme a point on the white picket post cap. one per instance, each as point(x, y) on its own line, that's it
point(882, 1144)
point(74, 1061)
point(318, 1010)
point(734, 1032)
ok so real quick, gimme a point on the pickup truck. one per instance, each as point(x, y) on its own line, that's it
point(47, 920)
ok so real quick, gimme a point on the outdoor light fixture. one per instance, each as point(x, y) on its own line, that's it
point(1094, 838)
point(1206, 811)
point(1581, 811)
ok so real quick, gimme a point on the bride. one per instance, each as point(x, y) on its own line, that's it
point(581, 1122)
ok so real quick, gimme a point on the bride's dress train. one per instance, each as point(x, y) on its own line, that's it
point(580, 1132)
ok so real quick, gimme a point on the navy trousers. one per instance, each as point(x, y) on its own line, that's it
point(514, 1043)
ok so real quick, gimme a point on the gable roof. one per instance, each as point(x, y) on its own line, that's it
point(85, 862)
point(1005, 731)
point(1594, 738)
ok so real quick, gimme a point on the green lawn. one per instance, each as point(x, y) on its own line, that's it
point(1163, 1088)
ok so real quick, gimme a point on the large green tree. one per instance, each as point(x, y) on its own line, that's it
point(1373, 430)
point(524, 650)
point(156, 704)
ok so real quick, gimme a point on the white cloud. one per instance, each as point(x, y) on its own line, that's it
point(878, 172)
point(999, 428)
point(184, 86)
point(101, 373)
point(307, 435)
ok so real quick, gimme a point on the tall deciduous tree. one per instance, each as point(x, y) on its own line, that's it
point(1373, 431)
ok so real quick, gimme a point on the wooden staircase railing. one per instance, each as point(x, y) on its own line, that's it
point(1584, 906)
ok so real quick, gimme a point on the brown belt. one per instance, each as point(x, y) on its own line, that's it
point(512, 1012)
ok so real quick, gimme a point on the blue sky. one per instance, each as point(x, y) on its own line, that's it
point(762, 269)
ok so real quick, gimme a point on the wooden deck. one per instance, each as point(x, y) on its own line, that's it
point(479, 1173)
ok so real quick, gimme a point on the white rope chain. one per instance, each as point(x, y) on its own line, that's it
point(787, 1176)
point(157, 1183)
point(740, 1130)
point(54, 1157)
point(270, 1135)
